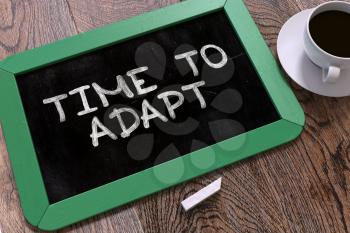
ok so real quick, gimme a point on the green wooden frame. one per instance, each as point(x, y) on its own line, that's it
point(34, 201)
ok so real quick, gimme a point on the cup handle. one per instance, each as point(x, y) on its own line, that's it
point(331, 74)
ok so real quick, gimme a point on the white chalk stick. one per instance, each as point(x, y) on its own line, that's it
point(201, 195)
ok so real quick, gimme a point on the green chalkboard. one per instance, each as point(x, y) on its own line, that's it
point(109, 116)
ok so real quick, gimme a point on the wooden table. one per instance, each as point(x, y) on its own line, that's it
point(303, 186)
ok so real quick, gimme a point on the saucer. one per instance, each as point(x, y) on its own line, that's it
point(290, 49)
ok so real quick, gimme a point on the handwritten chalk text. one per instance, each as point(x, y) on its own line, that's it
point(149, 112)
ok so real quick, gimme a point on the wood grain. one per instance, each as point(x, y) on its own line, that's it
point(303, 186)
point(90, 14)
point(28, 24)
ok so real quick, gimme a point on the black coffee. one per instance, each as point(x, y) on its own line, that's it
point(331, 32)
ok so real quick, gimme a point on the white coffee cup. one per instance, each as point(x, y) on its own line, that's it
point(331, 65)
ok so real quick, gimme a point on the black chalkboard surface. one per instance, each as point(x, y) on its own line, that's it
point(236, 102)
